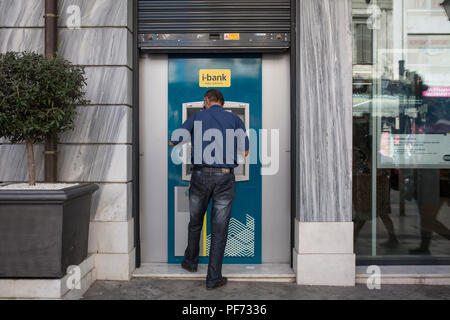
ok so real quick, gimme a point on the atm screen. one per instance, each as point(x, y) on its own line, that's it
point(240, 112)
point(192, 111)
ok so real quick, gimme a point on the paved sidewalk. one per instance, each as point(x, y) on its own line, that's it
point(161, 289)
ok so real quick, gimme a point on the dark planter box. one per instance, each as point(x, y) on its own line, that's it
point(44, 232)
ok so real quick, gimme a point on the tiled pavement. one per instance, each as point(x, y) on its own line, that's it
point(161, 289)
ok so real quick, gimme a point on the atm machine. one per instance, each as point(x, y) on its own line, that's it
point(243, 98)
point(242, 110)
point(179, 41)
point(242, 173)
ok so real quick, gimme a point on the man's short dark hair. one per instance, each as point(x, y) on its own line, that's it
point(215, 96)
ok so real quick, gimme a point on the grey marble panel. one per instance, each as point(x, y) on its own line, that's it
point(109, 85)
point(112, 202)
point(101, 124)
point(22, 13)
point(95, 13)
point(22, 39)
point(96, 46)
point(90, 126)
point(14, 166)
point(325, 110)
point(76, 163)
point(94, 163)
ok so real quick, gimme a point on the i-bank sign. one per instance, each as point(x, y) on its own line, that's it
point(215, 78)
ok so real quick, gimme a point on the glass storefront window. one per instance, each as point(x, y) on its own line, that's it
point(401, 122)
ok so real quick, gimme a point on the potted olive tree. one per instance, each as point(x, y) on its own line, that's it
point(44, 228)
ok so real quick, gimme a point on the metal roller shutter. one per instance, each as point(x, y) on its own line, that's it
point(252, 23)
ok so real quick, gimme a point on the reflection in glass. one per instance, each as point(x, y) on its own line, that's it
point(401, 124)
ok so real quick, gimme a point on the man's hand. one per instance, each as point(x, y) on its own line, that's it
point(244, 153)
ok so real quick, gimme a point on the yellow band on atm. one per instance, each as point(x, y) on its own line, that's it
point(205, 254)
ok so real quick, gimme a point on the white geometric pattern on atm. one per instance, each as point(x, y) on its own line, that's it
point(241, 239)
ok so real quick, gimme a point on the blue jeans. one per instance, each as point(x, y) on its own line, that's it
point(221, 188)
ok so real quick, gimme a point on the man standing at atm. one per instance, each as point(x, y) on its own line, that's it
point(212, 178)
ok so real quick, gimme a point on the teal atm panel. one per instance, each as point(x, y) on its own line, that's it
point(241, 86)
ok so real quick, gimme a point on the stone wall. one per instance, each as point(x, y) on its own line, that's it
point(323, 253)
point(99, 150)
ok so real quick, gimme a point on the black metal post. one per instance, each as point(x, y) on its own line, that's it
point(136, 151)
point(294, 158)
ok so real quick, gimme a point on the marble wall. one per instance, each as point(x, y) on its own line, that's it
point(99, 150)
point(325, 110)
point(323, 254)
